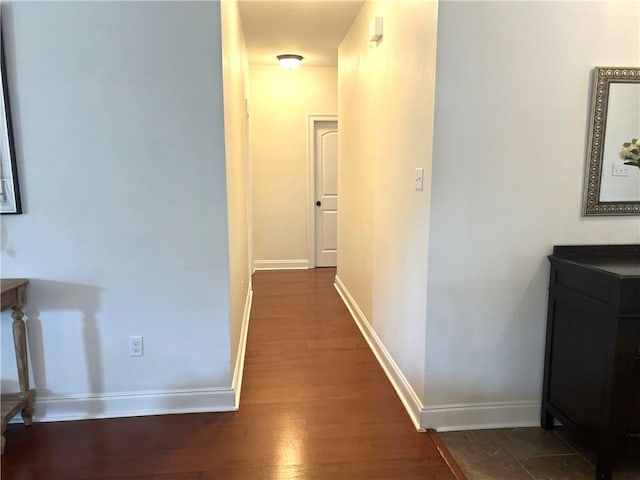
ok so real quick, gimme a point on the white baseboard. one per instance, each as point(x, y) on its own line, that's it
point(478, 416)
point(298, 264)
point(443, 418)
point(238, 371)
point(402, 387)
point(156, 402)
point(133, 404)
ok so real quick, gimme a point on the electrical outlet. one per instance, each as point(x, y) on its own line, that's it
point(135, 346)
point(620, 170)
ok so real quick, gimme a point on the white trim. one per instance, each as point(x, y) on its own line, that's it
point(478, 416)
point(407, 395)
point(133, 404)
point(298, 264)
point(249, 176)
point(236, 384)
point(311, 176)
point(444, 418)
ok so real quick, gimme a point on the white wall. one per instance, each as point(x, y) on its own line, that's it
point(236, 77)
point(118, 117)
point(386, 102)
point(512, 106)
point(281, 101)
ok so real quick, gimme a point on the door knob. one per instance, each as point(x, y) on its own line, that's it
point(318, 203)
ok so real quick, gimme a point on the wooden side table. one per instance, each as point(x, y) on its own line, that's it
point(13, 294)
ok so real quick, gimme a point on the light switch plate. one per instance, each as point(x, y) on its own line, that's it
point(419, 179)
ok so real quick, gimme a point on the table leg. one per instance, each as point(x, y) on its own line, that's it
point(20, 345)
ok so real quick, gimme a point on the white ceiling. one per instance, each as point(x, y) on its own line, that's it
point(311, 28)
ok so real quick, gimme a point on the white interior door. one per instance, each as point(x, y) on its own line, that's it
point(326, 192)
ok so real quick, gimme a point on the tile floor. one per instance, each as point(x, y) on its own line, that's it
point(534, 453)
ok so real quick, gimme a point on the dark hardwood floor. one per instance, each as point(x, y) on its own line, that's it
point(315, 405)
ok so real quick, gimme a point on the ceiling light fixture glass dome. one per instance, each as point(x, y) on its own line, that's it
point(290, 61)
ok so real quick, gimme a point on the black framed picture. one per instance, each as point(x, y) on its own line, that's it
point(9, 189)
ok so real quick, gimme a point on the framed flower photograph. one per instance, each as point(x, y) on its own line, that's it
point(9, 189)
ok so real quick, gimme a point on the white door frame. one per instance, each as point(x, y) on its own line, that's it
point(311, 175)
point(249, 179)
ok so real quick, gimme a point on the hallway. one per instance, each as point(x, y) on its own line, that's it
point(331, 411)
point(315, 405)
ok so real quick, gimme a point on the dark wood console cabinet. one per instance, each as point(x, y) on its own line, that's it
point(592, 358)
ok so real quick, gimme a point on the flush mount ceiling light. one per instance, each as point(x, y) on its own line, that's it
point(289, 61)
